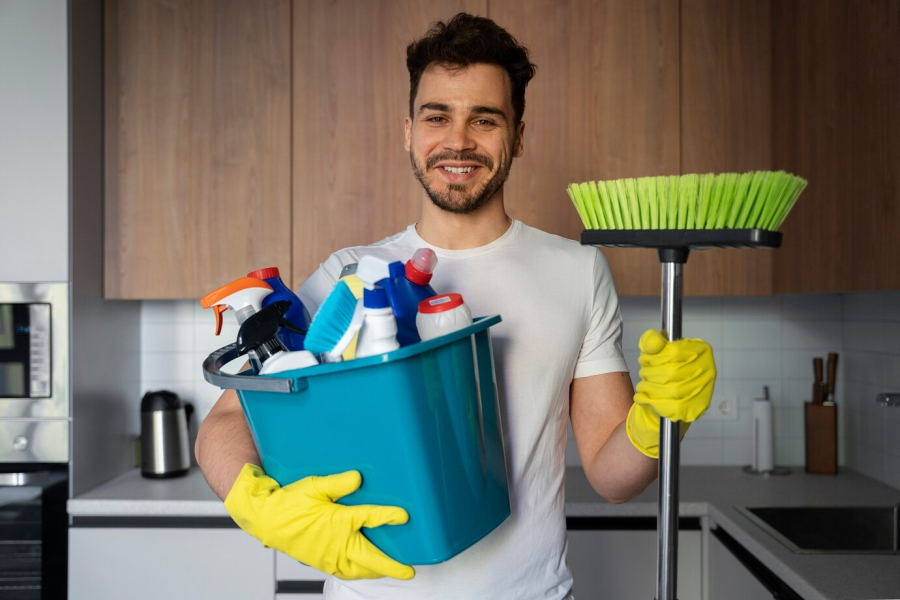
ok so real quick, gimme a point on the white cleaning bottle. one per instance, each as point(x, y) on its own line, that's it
point(244, 296)
point(380, 306)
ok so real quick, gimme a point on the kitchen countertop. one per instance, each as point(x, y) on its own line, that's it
point(711, 492)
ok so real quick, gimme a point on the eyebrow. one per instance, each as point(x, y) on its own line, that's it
point(479, 110)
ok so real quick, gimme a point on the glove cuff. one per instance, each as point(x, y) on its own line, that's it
point(642, 427)
point(241, 499)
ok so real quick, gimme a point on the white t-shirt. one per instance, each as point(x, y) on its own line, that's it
point(560, 320)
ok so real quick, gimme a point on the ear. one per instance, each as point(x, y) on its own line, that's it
point(407, 132)
point(519, 147)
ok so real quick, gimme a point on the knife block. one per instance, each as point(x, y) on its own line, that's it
point(821, 438)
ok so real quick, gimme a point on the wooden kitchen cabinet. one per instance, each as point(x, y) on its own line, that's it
point(353, 184)
point(837, 90)
point(175, 564)
point(251, 134)
point(198, 144)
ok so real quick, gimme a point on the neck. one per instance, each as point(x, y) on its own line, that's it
point(453, 231)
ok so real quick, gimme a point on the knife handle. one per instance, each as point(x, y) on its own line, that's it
point(818, 392)
point(832, 374)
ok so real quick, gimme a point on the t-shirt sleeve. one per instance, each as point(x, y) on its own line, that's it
point(315, 289)
point(601, 351)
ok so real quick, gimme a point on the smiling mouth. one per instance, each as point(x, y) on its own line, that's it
point(458, 170)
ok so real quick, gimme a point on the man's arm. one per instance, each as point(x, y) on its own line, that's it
point(224, 444)
point(598, 406)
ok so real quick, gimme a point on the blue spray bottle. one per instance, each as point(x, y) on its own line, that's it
point(412, 289)
point(297, 315)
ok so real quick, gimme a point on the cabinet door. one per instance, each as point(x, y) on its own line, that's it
point(622, 564)
point(604, 104)
point(296, 581)
point(353, 183)
point(728, 578)
point(175, 564)
point(726, 124)
point(34, 141)
point(198, 126)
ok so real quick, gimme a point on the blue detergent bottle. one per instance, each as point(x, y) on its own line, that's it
point(297, 314)
point(412, 289)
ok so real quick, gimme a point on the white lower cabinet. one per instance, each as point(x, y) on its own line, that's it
point(173, 563)
point(729, 578)
point(621, 565)
point(296, 581)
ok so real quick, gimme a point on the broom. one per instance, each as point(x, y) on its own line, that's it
point(675, 215)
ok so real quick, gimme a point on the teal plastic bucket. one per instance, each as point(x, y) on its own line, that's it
point(422, 426)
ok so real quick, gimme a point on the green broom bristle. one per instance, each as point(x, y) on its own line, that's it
point(754, 200)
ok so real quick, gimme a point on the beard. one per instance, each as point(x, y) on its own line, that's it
point(457, 198)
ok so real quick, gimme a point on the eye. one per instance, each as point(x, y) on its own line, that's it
point(436, 119)
point(484, 122)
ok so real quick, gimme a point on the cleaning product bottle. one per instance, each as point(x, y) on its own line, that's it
point(412, 289)
point(440, 315)
point(380, 305)
point(244, 296)
point(297, 315)
point(259, 334)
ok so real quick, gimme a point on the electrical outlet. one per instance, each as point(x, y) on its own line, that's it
point(723, 408)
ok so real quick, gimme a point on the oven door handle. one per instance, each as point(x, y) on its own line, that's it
point(20, 479)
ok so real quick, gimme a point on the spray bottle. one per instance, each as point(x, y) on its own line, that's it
point(297, 315)
point(244, 296)
point(380, 304)
point(259, 334)
point(412, 289)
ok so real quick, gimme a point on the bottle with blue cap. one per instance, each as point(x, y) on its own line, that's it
point(381, 306)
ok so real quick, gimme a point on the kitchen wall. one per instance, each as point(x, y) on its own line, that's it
point(758, 341)
point(871, 345)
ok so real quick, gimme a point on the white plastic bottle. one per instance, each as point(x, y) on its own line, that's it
point(288, 361)
point(380, 305)
point(442, 314)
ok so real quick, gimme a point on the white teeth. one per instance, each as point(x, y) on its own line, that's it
point(459, 170)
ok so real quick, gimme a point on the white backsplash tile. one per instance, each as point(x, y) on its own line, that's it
point(806, 307)
point(801, 335)
point(863, 306)
point(757, 341)
point(751, 308)
point(764, 335)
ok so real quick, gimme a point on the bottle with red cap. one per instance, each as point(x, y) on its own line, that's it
point(441, 315)
point(297, 315)
point(411, 290)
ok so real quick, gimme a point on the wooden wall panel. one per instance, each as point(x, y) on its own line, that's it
point(810, 115)
point(871, 232)
point(726, 107)
point(603, 105)
point(353, 183)
point(198, 144)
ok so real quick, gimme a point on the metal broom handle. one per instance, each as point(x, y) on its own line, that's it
point(669, 438)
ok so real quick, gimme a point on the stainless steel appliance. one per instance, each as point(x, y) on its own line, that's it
point(34, 439)
point(164, 435)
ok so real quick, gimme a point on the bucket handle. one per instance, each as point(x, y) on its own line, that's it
point(212, 372)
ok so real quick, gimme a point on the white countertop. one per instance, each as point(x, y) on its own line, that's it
point(711, 492)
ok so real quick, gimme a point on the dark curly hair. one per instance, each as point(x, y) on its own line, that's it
point(465, 40)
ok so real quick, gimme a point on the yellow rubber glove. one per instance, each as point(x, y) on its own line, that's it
point(677, 380)
point(303, 521)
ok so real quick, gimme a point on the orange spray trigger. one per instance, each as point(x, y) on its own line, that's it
point(219, 309)
point(243, 295)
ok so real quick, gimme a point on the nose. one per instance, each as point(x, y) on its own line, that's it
point(458, 137)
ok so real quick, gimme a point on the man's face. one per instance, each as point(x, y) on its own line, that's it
point(462, 137)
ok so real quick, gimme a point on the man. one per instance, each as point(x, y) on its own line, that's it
point(558, 353)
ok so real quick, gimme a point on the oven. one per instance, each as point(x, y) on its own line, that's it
point(34, 440)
